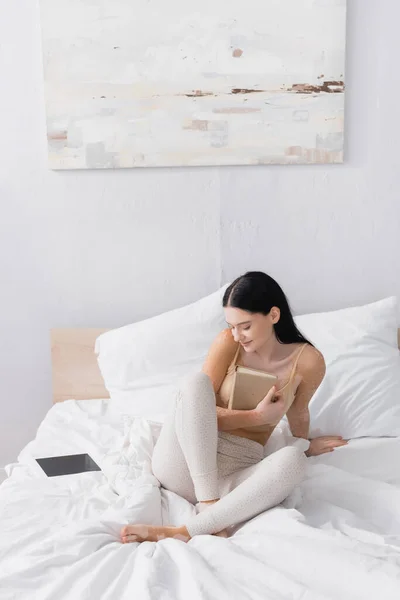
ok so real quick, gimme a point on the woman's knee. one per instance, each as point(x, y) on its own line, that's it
point(196, 386)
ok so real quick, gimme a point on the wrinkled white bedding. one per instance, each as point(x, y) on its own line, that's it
point(59, 536)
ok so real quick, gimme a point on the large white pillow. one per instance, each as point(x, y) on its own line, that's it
point(160, 350)
point(360, 394)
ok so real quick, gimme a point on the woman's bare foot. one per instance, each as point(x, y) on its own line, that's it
point(148, 533)
point(224, 533)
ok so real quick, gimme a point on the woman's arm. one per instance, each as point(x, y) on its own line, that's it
point(228, 419)
point(312, 371)
point(220, 356)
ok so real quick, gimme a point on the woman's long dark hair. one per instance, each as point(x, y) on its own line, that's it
point(257, 292)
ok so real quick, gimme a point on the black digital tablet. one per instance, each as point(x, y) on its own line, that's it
point(67, 465)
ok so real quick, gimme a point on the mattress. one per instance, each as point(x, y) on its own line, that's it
point(337, 538)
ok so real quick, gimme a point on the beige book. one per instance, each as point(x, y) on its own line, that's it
point(249, 387)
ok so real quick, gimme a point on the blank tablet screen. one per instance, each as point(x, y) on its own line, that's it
point(67, 465)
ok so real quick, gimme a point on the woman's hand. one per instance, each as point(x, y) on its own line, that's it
point(324, 444)
point(270, 410)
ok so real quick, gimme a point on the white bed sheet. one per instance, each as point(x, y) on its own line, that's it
point(59, 536)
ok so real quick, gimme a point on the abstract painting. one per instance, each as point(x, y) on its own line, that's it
point(153, 83)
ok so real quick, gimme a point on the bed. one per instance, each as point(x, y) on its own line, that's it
point(339, 540)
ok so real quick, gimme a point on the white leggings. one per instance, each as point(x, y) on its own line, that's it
point(194, 460)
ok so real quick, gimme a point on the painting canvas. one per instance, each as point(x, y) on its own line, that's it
point(151, 83)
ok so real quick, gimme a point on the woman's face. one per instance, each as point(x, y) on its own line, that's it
point(251, 330)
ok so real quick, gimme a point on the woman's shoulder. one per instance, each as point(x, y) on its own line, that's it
point(224, 340)
point(224, 346)
point(221, 353)
point(311, 360)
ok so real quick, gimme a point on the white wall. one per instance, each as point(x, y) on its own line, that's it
point(331, 235)
point(102, 248)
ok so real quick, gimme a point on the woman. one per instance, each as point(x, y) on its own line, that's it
point(214, 456)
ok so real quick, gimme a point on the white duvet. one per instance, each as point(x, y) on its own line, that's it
point(59, 537)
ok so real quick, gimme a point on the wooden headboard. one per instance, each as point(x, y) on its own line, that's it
point(74, 365)
point(75, 371)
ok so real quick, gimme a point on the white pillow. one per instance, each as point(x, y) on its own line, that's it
point(360, 394)
point(152, 403)
point(160, 350)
